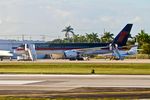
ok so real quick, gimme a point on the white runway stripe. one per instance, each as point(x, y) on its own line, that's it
point(16, 82)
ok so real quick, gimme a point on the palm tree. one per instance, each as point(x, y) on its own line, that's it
point(83, 39)
point(67, 31)
point(89, 37)
point(93, 37)
point(76, 38)
point(107, 37)
point(143, 37)
point(96, 37)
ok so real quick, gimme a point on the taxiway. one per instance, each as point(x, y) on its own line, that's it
point(67, 82)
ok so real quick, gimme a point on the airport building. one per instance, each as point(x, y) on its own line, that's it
point(11, 45)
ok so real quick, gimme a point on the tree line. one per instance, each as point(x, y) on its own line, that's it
point(71, 37)
point(142, 38)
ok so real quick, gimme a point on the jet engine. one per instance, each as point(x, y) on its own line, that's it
point(71, 54)
point(113, 46)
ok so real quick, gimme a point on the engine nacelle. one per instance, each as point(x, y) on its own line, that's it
point(116, 46)
point(71, 54)
point(110, 47)
point(113, 46)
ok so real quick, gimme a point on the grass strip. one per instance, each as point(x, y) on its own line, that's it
point(74, 68)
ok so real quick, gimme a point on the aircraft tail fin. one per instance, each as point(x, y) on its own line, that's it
point(123, 36)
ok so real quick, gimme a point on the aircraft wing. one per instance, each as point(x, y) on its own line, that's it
point(4, 53)
point(96, 50)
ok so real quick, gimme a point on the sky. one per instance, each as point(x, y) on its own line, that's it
point(46, 18)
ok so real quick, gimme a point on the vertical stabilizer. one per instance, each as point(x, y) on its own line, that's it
point(122, 37)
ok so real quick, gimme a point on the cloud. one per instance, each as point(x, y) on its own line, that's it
point(106, 18)
point(58, 12)
point(51, 16)
point(136, 19)
point(1, 21)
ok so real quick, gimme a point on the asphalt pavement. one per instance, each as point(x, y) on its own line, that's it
point(67, 82)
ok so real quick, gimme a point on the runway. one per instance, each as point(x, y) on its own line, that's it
point(67, 82)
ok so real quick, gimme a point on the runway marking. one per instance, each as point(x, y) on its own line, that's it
point(16, 82)
point(45, 82)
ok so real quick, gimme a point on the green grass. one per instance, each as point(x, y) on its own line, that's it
point(74, 68)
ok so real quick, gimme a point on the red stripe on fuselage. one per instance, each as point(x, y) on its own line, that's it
point(20, 49)
point(56, 48)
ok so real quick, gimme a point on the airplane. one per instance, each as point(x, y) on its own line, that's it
point(75, 50)
point(123, 53)
point(5, 54)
